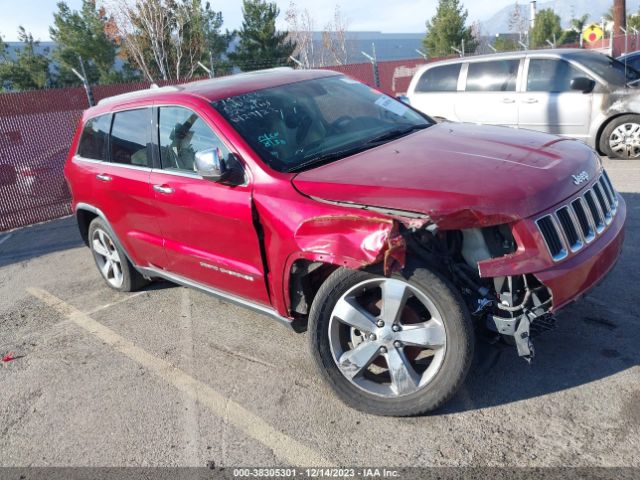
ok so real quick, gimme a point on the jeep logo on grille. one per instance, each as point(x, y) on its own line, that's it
point(580, 178)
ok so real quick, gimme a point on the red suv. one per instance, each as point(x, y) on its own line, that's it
point(325, 204)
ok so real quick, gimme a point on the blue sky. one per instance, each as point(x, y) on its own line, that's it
point(407, 16)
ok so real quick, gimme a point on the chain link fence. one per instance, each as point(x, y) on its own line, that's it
point(37, 127)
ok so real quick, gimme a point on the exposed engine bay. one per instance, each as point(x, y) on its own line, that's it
point(511, 308)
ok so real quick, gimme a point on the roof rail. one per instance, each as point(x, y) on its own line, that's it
point(138, 93)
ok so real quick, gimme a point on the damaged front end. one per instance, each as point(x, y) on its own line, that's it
point(512, 308)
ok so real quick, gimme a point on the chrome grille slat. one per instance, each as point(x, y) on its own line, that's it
point(605, 179)
point(548, 226)
point(572, 226)
point(585, 219)
point(596, 211)
point(604, 206)
point(607, 193)
point(569, 228)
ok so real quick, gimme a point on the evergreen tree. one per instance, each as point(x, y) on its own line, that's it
point(546, 27)
point(83, 33)
point(261, 46)
point(216, 43)
point(30, 69)
point(3, 49)
point(448, 29)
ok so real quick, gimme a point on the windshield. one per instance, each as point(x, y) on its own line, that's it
point(609, 69)
point(304, 124)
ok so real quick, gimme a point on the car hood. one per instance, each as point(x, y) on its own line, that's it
point(460, 175)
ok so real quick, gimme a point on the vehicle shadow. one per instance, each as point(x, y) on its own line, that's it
point(38, 240)
point(596, 337)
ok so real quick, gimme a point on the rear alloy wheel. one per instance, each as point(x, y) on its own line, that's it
point(391, 346)
point(111, 261)
point(621, 138)
point(107, 258)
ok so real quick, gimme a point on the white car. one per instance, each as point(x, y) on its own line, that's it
point(570, 92)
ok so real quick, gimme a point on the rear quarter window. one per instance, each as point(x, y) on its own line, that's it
point(439, 79)
point(93, 141)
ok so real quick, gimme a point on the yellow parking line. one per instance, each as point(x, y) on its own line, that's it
point(113, 304)
point(5, 238)
point(284, 447)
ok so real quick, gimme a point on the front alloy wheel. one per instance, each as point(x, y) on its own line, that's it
point(387, 337)
point(625, 140)
point(621, 137)
point(391, 346)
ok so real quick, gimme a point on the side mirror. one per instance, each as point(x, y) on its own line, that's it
point(210, 165)
point(583, 84)
point(7, 175)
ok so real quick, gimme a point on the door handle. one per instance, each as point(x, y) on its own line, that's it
point(508, 100)
point(530, 100)
point(103, 178)
point(163, 189)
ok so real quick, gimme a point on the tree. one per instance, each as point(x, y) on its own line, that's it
point(334, 40)
point(301, 28)
point(167, 38)
point(216, 42)
point(30, 69)
point(633, 21)
point(3, 56)
point(83, 34)
point(261, 46)
point(3, 49)
point(448, 29)
point(517, 21)
point(504, 43)
point(573, 34)
point(546, 27)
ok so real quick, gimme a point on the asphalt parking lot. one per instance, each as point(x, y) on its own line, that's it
point(171, 377)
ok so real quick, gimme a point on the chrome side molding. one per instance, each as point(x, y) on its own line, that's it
point(228, 297)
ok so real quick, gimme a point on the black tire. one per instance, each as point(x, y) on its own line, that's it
point(609, 130)
point(132, 280)
point(460, 340)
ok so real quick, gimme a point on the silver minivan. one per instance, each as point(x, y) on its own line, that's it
point(571, 92)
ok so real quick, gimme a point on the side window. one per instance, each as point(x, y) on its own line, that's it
point(130, 137)
point(548, 75)
point(93, 141)
point(494, 76)
point(440, 79)
point(182, 134)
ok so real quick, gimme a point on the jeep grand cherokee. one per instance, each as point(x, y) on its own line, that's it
point(327, 205)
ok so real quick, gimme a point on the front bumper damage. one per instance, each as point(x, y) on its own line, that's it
point(565, 282)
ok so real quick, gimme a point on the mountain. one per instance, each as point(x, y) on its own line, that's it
point(566, 10)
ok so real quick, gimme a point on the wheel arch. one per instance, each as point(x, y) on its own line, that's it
point(304, 277)
point(328, 243)
point(85, 214)
point(604, 125)
point(84, 217)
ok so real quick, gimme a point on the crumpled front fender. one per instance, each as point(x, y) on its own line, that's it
point(352, 241)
